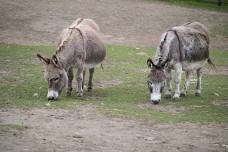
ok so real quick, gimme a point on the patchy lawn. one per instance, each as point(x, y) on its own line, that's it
point(119, 90)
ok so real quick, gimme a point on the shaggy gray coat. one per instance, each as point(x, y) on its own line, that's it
point(184, 47)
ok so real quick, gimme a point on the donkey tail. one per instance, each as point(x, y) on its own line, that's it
point(211, 64)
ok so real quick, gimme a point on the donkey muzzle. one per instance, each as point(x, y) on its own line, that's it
point(155, 98)
point(52, 95)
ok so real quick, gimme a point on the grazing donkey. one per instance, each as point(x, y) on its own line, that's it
point(79, 46)
point(184, 47)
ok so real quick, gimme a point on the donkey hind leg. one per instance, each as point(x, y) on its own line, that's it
point(186, 84)
point(83, 81)
point(90, 83)
point(168, 84)
point(70, 75)
point(79, 78)
point(199, 74)
point(178, 70)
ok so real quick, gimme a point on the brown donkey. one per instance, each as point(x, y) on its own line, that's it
point(79, 46)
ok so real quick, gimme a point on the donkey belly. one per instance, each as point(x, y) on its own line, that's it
point(189, 66)
point(90, 65)
point(94, 60)
point(95, 52)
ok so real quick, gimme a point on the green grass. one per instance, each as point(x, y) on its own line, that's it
point(203, 4)
point(21, 78)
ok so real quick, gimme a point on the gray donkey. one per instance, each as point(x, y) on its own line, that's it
point(184, 47)
point(79, 46)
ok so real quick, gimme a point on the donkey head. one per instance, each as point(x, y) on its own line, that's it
point(156, 81)
point(55, 75)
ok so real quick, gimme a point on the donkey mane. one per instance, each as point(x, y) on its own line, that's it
point(68, 32)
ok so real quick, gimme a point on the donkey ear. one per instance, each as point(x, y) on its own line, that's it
point(150, 63)
point(56, 61)
point(43, 59)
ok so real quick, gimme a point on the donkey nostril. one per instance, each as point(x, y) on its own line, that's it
point(155, 101)
point(51, 98)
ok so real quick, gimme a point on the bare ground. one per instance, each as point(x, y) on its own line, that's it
point(129, 22)
point(83, 129)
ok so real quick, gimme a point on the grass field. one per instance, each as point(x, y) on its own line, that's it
point(22, 86)
point(204, 4)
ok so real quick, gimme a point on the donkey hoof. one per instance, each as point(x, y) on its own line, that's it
point(168, 96)
point(89, 89)
point(183, 94)
point(197, 94)
point(176, 96)
point(68, 93)
point(79, 94)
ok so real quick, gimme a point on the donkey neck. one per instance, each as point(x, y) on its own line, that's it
point(162, 53)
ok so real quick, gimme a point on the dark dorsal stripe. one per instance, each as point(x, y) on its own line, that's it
point(187, 23)
point(81, 19)
point(162, 43)
point(71, 31)
point(179, 45)
point(83, 39)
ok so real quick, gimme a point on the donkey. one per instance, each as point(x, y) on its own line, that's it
point(184, 47)
point(80, 46)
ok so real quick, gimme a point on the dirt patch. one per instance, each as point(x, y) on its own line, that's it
point(83, 129)
point(128, 22)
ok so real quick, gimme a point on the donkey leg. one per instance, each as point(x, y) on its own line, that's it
point(186, 84)
point(168, 84)
point(79, 78)
point(199, 74)
point(178, 70)
point(90, 83)
point(70, 75)
point(83, 81)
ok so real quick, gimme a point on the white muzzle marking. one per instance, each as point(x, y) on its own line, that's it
point(155, 96)
point(52, 93)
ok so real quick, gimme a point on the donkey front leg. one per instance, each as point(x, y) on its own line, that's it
point(79, 78)
point(83, 81)
point(90, 83)
point(178, 70)
point(168, 85)
point(199, 74)
point(70, 75)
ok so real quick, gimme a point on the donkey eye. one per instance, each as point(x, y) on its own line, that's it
point(149, 83)
point(56, 79)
